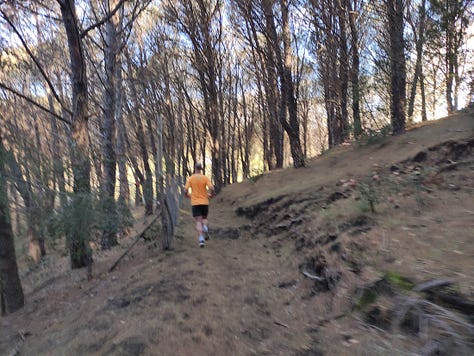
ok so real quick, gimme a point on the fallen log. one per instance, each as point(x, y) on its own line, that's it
point(455, 301)
point(436, 291)
point(433, 284)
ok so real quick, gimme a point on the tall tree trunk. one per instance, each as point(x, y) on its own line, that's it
point(355, 68)
point(58, 164)
point(244, 136)
point(328, 40)
point(397, 65)
point(419, 43)
point(265, 71)
point(111, 49)
point(293, 129)
point(148, 183)
point(32, 210)
point(423, 96)
point(11, 292)
point(284, 65)
point(123, 203)
point(343, 70)
point(276, 106)
point(79, 231)
point(201, 21)
point(451, 55)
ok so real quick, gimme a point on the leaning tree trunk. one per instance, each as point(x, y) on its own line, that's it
point(79, 230)
point(11, 292)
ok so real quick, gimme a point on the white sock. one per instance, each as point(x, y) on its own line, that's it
point(205, 228)
point(201, 238)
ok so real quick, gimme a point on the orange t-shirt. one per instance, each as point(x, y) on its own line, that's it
point(198, 184)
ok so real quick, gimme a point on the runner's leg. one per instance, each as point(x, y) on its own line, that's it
point(198, 224)
point(205, 226)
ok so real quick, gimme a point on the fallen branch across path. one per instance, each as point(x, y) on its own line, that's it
point(138, 237)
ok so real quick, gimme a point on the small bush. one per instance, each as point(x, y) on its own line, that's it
point(368, 197)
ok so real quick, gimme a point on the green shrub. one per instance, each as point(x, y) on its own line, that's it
point(368, 197)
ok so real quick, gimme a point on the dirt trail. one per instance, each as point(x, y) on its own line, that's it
point(224, 299)
point(236, 306)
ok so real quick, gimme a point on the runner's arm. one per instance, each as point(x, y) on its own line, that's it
point(185, 189)
point(211, 188)
point(211, 192)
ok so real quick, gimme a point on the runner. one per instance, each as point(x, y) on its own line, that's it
point(196, 188)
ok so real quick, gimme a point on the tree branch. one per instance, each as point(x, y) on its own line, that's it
point(43, 73)
point(38, 105)
point(104, 20)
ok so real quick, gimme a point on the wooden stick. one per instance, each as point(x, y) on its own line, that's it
point(312, 276)
point(139, 235)
point(436, 283)
point(281, 324)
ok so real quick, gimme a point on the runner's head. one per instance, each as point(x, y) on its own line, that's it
point(198, 168)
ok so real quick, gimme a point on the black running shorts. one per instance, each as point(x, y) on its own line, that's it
point(200, 210)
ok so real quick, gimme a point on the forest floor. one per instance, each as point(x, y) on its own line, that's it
point(297, 264)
